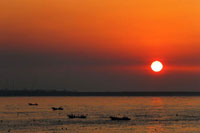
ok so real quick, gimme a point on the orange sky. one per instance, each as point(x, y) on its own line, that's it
point(164, 27)
point(131, 32)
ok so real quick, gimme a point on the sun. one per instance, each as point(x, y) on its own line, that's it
point(156, 66)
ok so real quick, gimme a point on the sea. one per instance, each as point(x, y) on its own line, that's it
point(169, 114)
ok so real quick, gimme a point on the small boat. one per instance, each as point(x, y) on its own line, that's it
point(32, 104)
point(59, 108)
point(119, 118)
point(72, 116)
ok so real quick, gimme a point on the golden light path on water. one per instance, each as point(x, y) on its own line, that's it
point(148, 114)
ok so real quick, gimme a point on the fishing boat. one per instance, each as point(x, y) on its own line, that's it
point(32, 104)
point(72, 116)
point(119, 118)
point(59, 108)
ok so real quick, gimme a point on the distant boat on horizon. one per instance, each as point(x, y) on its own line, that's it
point(72, 116)
point(32, 104)
point(59, 108)
point(119, 118)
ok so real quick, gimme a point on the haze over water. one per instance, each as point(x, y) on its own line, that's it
point(148, 114)
point(100, 45)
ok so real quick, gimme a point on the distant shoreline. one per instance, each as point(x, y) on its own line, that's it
point(4, 93)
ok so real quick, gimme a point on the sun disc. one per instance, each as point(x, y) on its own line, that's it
point(156, 66)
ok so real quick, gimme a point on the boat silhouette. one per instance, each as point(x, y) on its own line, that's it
point(32, 104)
point(59, 108)
point(119, 118)
point(72, 116)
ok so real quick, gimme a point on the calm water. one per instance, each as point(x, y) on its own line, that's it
point(148, 114)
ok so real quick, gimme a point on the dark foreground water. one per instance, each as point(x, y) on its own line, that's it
point(148, 114)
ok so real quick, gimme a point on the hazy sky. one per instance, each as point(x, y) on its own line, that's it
point(100, 45)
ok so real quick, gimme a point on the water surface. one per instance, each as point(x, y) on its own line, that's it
point(148, 114)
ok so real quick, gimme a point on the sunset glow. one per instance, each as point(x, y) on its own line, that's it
point(156, 66)
point(134, 62)
point(67, 41)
